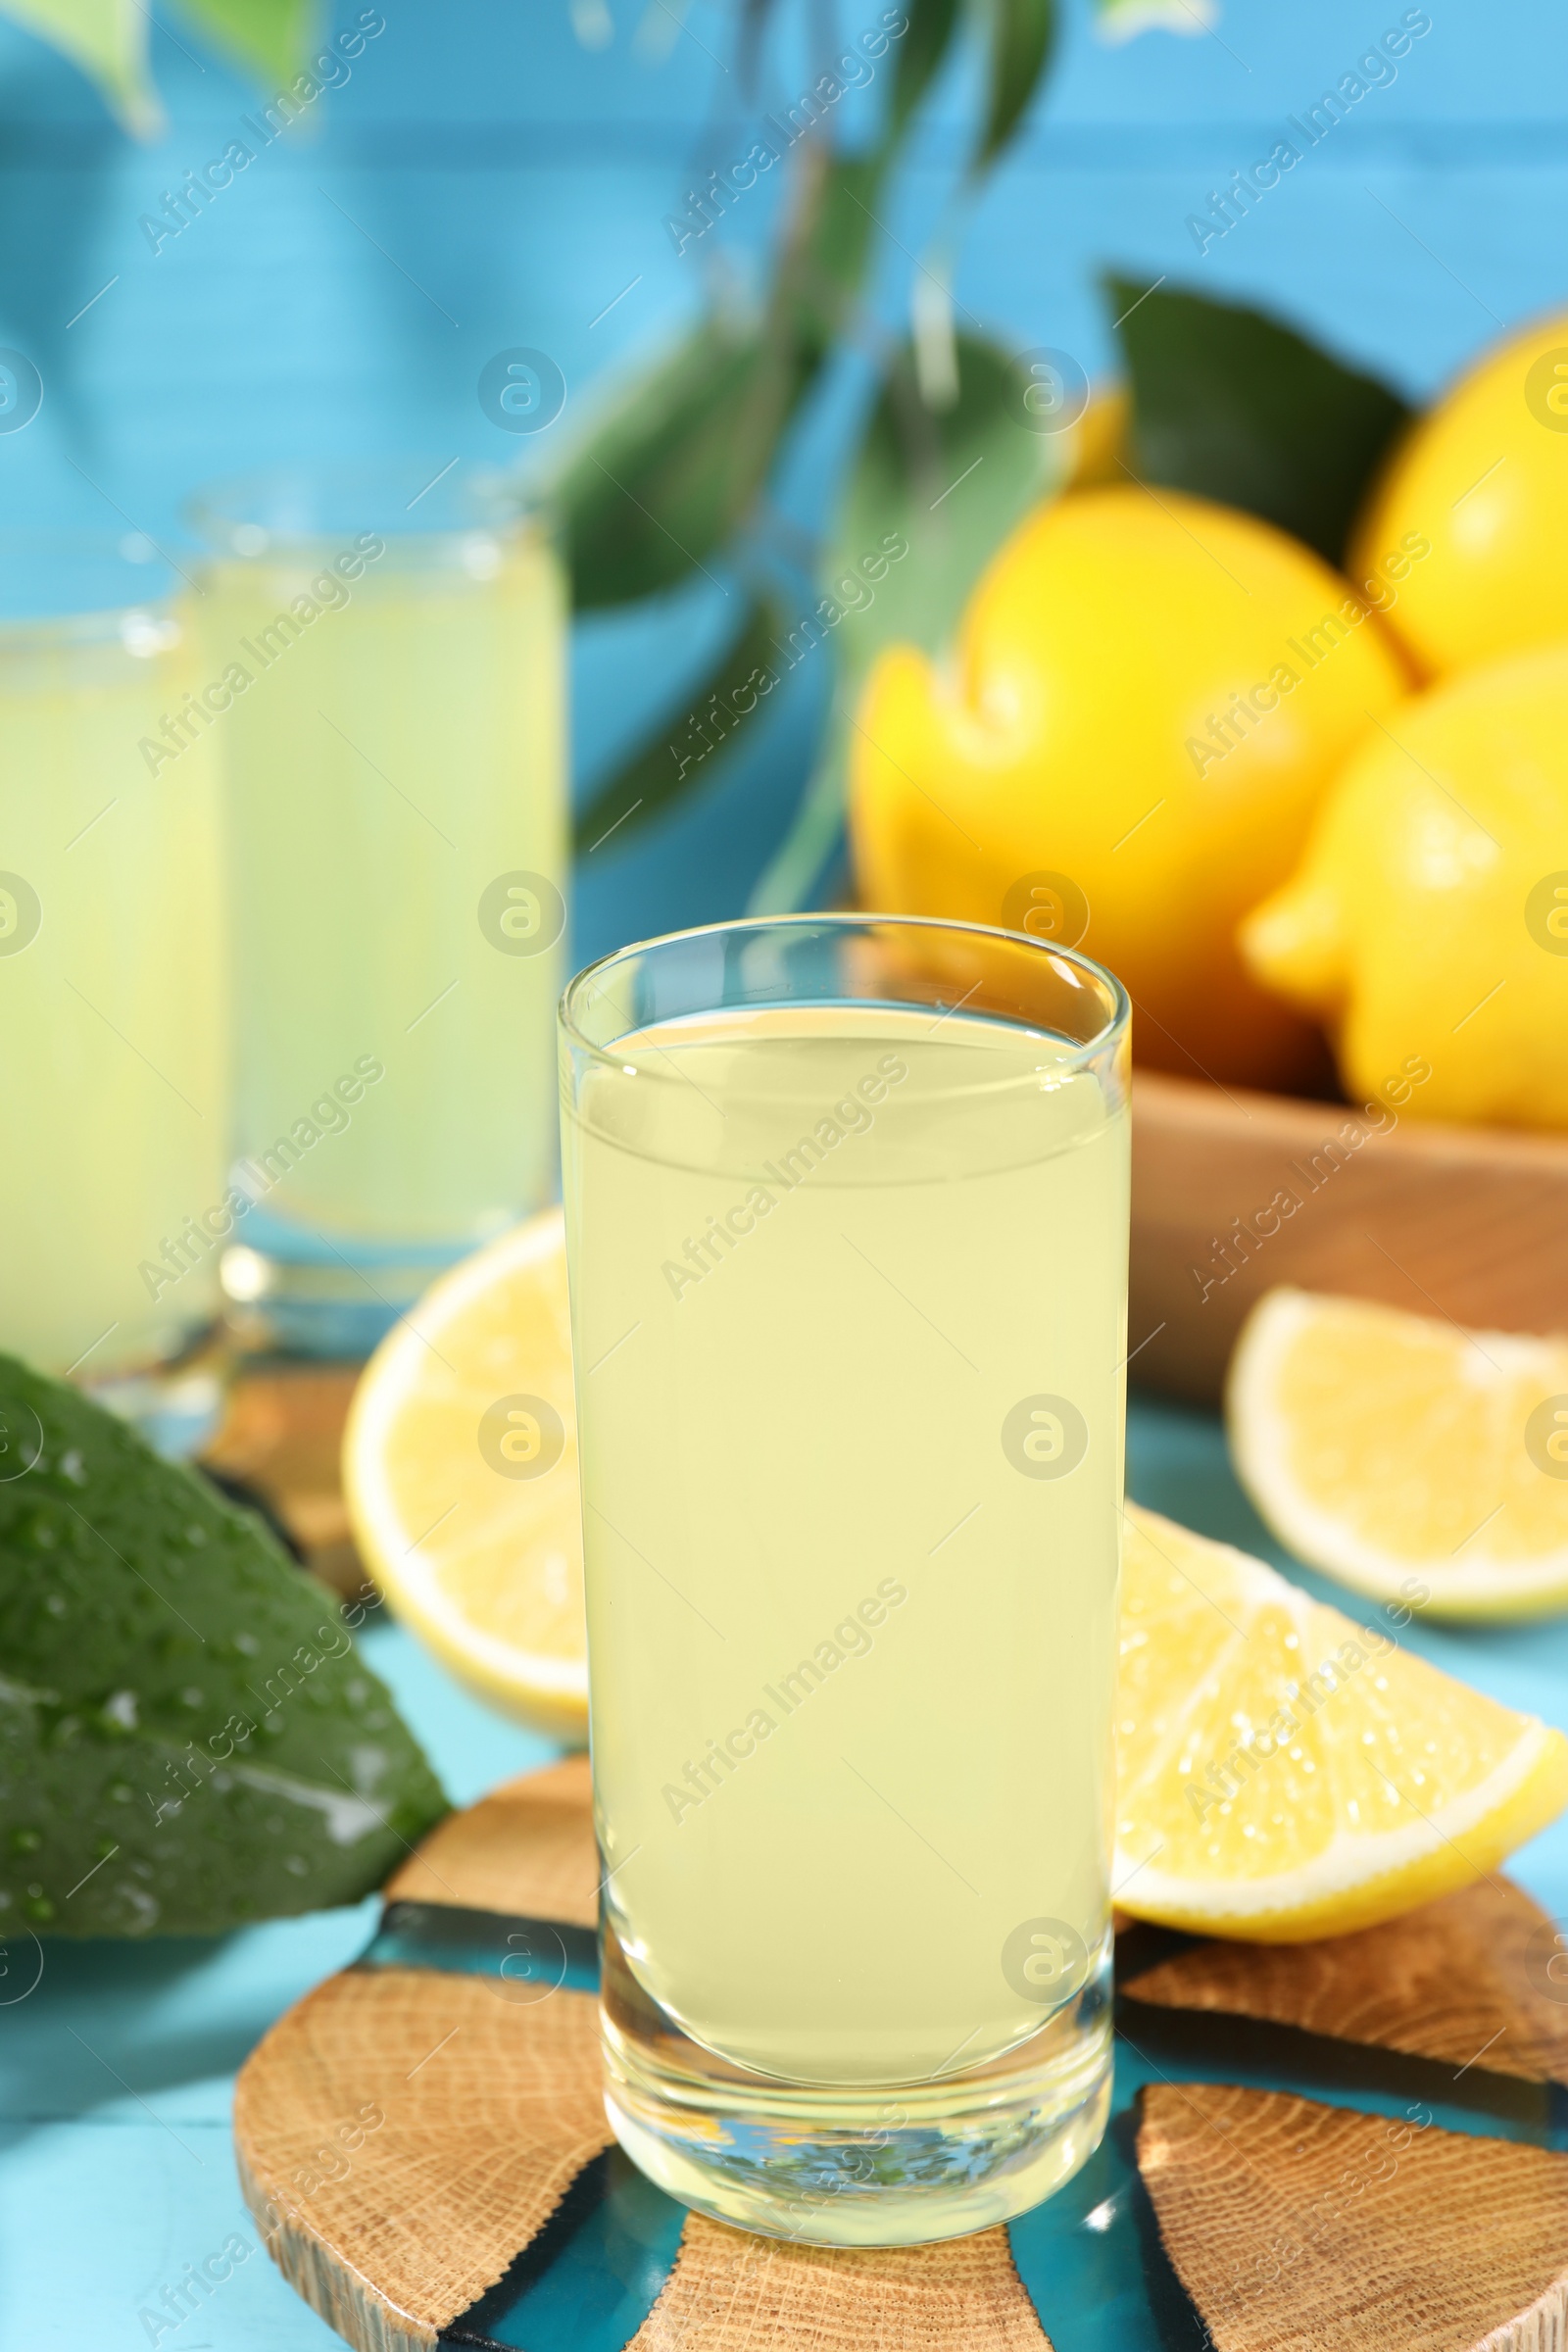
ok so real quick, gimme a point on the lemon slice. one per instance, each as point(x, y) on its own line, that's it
point(1285, 1774)
point(460, 1470)
point(1398, 1452)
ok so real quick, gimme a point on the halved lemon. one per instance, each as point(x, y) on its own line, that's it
point(1284, 1774)
point(460, 1469)
point(1403, 1455)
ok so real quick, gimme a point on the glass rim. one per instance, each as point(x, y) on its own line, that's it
point(227, 513)
point(1081, 1054)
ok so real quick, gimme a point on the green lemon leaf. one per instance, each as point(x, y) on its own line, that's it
point(690, 746)
point(188, 1739)
point(920, 52)
point(271, 38)
point(108, 40)
point(1232, 405)
point(674, 468)
point(824, 260)
point(665, 481)
point(1022, 40)
point(948, 486)
point(952, 482)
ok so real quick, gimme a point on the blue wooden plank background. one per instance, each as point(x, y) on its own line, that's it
point(487, 179)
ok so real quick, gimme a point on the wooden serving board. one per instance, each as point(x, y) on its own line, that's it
point(1315, 2148)
point(1468, 1222)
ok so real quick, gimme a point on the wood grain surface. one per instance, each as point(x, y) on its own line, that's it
point(734, 2293)
point(1462, 1978)
point(491, 2107)
point(527, 1848)
point(1298, 2228)
point(1470, 1222)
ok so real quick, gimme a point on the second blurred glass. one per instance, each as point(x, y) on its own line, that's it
point(394, 759)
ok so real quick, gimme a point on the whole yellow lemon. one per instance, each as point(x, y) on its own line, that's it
point(1148, 697)
point(1481, 481)
point(1428, 921)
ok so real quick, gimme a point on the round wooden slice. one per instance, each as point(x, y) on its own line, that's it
point(1316, 2148)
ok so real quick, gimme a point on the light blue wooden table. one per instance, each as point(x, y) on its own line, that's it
point(116, 2075)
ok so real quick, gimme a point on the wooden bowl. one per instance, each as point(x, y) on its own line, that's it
point(1233, 1192)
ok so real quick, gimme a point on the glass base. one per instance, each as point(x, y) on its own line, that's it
point(867, 2165)
point(298, 1293)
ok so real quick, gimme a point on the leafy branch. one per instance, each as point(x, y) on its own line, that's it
point(674, 480)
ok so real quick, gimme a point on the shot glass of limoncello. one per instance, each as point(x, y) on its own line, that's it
point(385, 657)
point(113, 1062)
point(847, 1212)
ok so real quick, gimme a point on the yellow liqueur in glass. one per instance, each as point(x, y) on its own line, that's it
point(394, 761)
point(114, 1048)
point(849, 1263)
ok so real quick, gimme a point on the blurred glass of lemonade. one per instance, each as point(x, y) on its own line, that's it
point(113, 1013)
point(394, 761)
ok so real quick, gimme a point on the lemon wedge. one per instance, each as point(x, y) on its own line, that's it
point(460, 1470)
point(1284, 1774)
point(1405, 1456)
